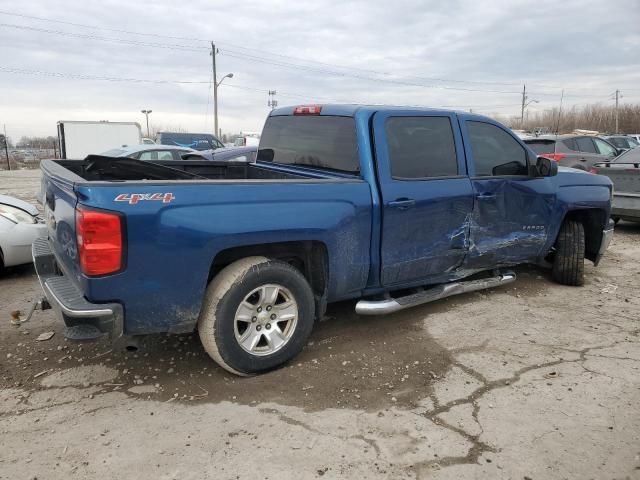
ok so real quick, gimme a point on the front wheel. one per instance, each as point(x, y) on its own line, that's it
point(568, 262)
point(257, 315)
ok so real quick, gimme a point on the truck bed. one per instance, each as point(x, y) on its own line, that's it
point(99, 168)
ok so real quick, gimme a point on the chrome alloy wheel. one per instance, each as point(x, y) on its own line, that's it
point(266, 320)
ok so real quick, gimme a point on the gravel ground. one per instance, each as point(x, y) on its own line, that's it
point(529, 381)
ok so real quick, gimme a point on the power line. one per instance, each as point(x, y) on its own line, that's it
point(204, 82)
point(183, 47)
point(252, 58)
point(104, 39)
point(25, 71)
point(95, 27)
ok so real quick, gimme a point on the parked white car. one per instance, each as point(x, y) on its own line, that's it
point(20, 225)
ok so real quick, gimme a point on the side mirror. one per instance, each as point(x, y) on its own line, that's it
point(546, 167)
point(265, 155)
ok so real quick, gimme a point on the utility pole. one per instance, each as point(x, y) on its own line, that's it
point(215, 89)
point(524, 99)
point(559, 113)
point(146, 114)
point(617, 101)
point(6, 146)
point(272, 102)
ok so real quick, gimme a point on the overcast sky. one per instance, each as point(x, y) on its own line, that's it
point(457, 53)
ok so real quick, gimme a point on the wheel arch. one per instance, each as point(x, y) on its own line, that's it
point(310, 257)
point(594, 221)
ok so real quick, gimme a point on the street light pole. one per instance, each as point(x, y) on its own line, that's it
point(215, 89)
point(146, 113)
point(6, 147)
point(216, 84)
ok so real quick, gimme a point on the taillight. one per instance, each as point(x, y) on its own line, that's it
point(554, 156)
point(99, 237)
point(307, 110)
point(593, 170)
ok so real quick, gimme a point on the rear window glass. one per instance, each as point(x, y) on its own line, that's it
point(632, 142)
point(314, 141)
point(541, 147)
point(421, 147)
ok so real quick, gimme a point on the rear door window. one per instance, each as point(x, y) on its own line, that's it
point(495, 152)
point(421, 147)
point(571, 144)
point(152, 155)
point(165, 155)
point(585, 144)
point(319, 141)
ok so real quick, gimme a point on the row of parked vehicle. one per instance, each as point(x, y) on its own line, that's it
point(581, 151)
point(615, 156)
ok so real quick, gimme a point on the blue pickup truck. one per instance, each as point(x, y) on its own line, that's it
point(393, 206)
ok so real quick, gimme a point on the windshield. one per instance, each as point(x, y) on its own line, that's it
point(197, 141)
point(316, 141)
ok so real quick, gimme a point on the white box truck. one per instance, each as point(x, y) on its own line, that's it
point(77, 139)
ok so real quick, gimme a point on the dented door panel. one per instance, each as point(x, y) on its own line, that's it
point(510, 220)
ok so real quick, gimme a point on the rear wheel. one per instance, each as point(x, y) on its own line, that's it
point(568, 262)
point(257, 314)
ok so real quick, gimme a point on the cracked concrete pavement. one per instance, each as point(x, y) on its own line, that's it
point(533, 380)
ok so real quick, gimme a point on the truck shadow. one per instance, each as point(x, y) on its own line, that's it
point(350, 361)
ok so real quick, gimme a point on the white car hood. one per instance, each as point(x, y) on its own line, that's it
point(21, 204)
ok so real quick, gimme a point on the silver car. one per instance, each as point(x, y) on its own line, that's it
point(150, 152)
point(575, 151)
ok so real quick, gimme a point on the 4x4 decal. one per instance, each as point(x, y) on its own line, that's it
point(133, 198)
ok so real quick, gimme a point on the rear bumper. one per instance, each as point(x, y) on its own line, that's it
point(68, 301)
point(607, 235)
point(626, 206)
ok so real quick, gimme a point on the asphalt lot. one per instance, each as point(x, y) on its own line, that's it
point(529, 381)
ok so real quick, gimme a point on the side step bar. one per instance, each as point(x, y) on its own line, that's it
point(390, 305)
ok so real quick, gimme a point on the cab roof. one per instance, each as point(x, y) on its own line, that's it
point(350, 110)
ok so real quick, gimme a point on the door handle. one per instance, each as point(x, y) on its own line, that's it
point(402, 203)
point(486, 196)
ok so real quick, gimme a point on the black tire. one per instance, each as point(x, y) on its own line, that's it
point(616, 220)
point(568, 262)
point(216, 325)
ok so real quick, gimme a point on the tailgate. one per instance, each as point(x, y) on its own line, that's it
point(59, 201)
point(625, 177)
